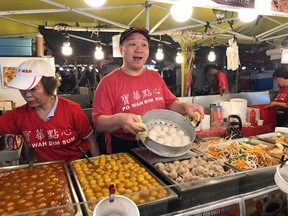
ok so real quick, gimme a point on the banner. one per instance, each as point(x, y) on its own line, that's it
point(237, 3)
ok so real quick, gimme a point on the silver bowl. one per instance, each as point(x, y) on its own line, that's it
point(164, 117)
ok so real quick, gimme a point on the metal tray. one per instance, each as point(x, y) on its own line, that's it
point(171, 194)
point(249, 141)
point(267, 137)
point(151, 158)
point(74, 198)
point(182, 187)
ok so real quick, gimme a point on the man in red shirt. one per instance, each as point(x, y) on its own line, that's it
point(280, 100)
point(132, 90)
point(221, 83)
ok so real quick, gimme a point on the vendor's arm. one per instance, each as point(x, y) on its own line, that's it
point(119, 121)
point(93, 146)
point(277, 104)
point(187, 108)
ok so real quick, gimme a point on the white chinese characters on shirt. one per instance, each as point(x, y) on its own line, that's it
point(140, 98)
point(51, 137)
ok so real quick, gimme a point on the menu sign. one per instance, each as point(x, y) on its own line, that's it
point(223, 208)
point(279, 5)
point(228, 210)
point(7, 75)
point(237, 3)
point(267, 203)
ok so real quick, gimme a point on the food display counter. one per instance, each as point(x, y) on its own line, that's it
point(247, 131)
point(183, 198)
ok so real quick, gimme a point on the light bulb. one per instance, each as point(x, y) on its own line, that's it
point(95, 3)
point(99, 54)
point(211, 56)
point(98, 51)
point(247, 15)
point(181, 10)
point(159, 56)
point(66, 48)
point(159, 53)
point(179, 57)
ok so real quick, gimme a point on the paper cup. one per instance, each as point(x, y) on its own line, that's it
point(121, 206)
point(260, 122)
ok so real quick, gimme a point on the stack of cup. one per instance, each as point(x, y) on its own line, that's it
point(206, 122)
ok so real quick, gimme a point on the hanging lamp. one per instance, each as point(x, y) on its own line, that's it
point(66, 48)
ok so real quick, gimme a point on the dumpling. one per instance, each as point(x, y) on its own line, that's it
point(185, 140)
point(161, 134)
point(172, 130)
point(180, 133)
point(165, 128)
point(157, 128)
point(152, 133)
point(160, 140)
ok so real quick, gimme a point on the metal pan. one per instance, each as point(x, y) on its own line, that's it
point(174, 119)
point(88, 204)
point(24, 169)
point(272, 138)
point(235, 174)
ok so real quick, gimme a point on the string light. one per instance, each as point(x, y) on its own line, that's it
point(98, 51)
point(95, 3)
point(181, 10)
point(247, 15)
point(66, 48)
point(160, 53)
point(211, 55)
point(179, 57)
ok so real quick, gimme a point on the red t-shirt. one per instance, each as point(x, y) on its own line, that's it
point(282, 95)
point(55, 139)
point(221, 81)
point(119, 92)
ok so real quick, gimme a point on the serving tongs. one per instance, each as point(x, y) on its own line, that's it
point(86, 156)
point(283, 161)
point(31, 153)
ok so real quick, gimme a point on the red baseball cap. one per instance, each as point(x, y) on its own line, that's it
point(131, 30)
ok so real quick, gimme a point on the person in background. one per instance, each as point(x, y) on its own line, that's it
point(51, 125)
point(221, 83)
point(280, 101)
point(132, 90)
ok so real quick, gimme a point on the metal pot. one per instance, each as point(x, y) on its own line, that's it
point(167, 117)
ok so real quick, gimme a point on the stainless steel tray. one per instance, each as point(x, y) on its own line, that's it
point(171, 194)
point(268, 137)
point(182, 187)
point(151, 158)
point(74, 198)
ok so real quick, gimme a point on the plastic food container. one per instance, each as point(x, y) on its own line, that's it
point(266, 114)
point(121, 205)
point(281, 177)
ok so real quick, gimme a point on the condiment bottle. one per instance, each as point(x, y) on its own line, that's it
point(253, 117)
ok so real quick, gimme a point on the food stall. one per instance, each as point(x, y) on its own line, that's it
point(218, 187)
point(234, 190)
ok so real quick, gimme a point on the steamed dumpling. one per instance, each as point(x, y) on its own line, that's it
point(172, 130)
point(157, 128)
point(180, 133)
